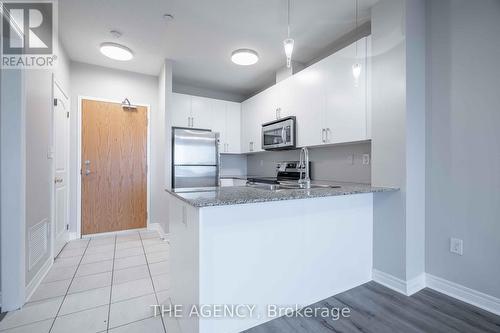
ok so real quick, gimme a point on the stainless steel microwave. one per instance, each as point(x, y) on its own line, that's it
point(279, 134)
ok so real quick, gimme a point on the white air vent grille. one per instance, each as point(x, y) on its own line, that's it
point(38, 242)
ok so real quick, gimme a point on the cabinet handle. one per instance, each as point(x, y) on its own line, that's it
point(328, 135)
point(192, 121)
point(250, 146)
point(323, 132)
point(189, 121)
point(278, 113)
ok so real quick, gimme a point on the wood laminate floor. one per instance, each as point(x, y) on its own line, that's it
point(377, 309)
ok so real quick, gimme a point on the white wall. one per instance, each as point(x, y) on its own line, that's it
point(398, 136)
point(115, 85)
point(165, 105)
point(13, 189)
point(463, 136)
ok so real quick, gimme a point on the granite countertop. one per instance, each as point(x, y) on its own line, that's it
point(236, 195)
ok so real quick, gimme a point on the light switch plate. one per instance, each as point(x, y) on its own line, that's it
point(457, 246)
point(366, 159)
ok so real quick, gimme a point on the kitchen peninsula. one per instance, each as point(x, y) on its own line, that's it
point(254, 246)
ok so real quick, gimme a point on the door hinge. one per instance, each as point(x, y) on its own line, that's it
point(55, 101)
point(67, 226)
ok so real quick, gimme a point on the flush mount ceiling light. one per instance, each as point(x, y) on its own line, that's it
point(116, 51)
point(244, 57)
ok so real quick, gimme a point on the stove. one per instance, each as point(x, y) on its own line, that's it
point(286, 172)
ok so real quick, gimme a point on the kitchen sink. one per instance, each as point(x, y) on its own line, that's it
point(287, 186)
point(298, 187)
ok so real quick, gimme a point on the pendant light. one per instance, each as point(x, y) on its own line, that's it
point(288, 43)
point(356, 67)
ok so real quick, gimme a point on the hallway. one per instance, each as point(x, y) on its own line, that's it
point(99, 284)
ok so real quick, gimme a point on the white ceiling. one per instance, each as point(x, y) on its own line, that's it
point(203, 34)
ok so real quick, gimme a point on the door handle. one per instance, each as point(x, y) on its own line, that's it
point(283, 135)
point(87, 168)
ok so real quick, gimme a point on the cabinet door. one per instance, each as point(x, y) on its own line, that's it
point(233, 120)
point(219, 122)
point(246, 109)
point(251, 125)
point(201, 111)
point(307, 101)
point(269, 103)
point(345, 100)
point(181, 110)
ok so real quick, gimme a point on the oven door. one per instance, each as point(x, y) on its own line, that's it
point(279, 134)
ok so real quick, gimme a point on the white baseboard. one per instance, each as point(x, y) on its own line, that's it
point(452, 289)
point(158, 227)
point(401, 286)
point(467, 295)
point(37, 279)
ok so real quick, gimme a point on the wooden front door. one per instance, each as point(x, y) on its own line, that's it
point(114, 167)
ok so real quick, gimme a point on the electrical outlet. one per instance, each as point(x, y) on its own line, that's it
point(457, 246)
point(366, 159)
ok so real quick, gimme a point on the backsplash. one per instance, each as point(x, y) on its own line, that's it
point(233, 165)
point(337, 163)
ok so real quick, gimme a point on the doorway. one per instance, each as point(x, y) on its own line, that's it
point(60, 229)
point(113, 167)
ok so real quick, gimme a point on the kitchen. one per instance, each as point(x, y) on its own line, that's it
point(254, 162)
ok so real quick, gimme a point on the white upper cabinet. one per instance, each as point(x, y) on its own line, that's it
point(233, 132)
point(212, 114)
point(219, 122)
point(346, 104)
point(328, 104)
point(252, 117)
point(201, 112)
point(181, 110)
point(308, 103)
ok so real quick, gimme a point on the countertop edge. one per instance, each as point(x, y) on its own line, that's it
point(217, 203)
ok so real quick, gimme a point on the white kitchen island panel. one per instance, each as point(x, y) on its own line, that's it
point(284, 253)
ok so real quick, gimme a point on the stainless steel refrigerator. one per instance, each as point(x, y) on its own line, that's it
point(195, 158)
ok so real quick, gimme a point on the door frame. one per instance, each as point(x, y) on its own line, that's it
point(79, 159)
point(56, 82)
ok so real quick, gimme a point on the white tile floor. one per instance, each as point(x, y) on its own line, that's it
point(102, 284)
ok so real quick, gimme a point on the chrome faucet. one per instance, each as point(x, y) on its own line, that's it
point(304, 182)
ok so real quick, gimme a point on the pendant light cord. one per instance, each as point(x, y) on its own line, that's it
point(356, 31)
point(288, 18)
